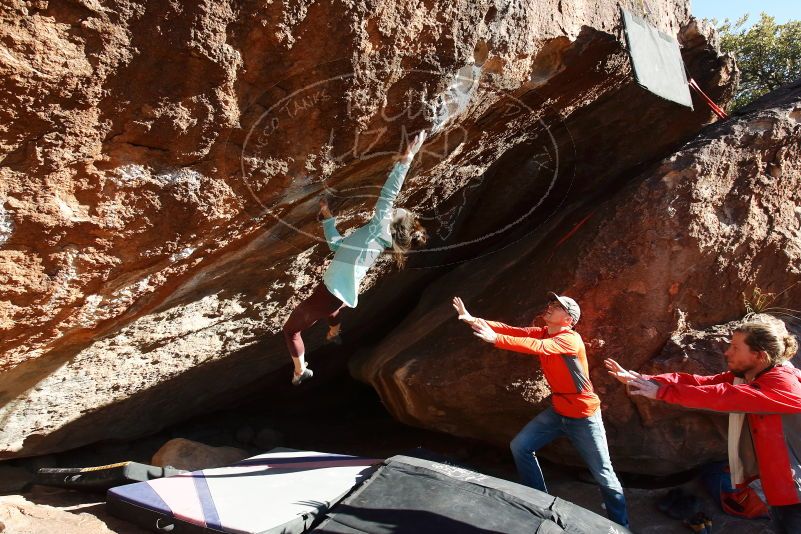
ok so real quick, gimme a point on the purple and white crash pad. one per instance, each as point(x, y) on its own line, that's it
point(282, 491)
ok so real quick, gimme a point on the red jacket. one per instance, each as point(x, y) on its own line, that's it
point(564, 364)
point(772, 402)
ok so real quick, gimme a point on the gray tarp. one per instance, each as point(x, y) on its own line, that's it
point(656, 59)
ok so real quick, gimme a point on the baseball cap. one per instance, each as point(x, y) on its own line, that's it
point(568, 304)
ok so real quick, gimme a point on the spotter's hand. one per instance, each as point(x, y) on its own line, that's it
point(616, 370)
point(483, 331)
point(464, 315)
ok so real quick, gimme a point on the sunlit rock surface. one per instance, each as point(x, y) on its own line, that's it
point(160, 165)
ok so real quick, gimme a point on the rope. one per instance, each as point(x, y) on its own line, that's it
point(714, 107)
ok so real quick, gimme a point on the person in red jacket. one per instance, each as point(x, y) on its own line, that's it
point(760, 384)
point(575, 412)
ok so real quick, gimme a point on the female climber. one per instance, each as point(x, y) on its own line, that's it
point(389, 228)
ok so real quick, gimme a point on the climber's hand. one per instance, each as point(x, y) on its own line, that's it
point(414, 147)
point(325, 211)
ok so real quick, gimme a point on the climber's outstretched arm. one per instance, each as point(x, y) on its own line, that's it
point(329, 226)
point(392, 187)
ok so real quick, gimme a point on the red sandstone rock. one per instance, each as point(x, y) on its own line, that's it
point(45, 510)
point(19, 516)
point(161, 163)
point(192, 456)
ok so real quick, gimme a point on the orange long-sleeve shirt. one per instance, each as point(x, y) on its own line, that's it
point(564, 364)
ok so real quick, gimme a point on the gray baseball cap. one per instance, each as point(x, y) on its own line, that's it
point(568, 304)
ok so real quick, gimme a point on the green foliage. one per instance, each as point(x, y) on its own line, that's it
point(768, 54)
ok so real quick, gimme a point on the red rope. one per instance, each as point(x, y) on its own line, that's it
point(574, 229)
point(715, 108)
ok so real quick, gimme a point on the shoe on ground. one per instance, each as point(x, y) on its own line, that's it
point(302, 377)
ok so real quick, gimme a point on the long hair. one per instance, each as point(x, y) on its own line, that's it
point(766, 333)
point(407, 233)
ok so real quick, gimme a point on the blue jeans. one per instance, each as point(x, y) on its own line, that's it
point(786, 519)
point(589, 437)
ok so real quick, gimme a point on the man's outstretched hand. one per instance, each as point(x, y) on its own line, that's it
point(480, 327)
point(616, 370)
point(460, 308)
point(644, 388)
point(483, 331)
point(635, 382)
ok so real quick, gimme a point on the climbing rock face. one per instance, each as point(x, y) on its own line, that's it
point(660, 269)
point(161, 163)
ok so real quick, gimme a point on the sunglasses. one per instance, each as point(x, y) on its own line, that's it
point(555, 304)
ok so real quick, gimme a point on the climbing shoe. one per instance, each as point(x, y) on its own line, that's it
point(302, 377)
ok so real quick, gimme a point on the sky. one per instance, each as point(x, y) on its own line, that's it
point(781, 10)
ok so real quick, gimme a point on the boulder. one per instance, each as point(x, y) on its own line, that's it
point(190, 455)
point(161, 164)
